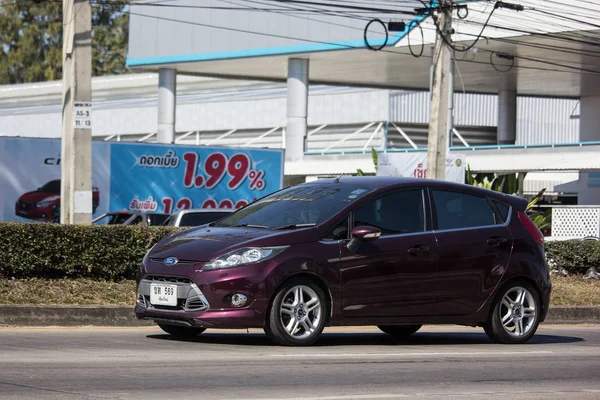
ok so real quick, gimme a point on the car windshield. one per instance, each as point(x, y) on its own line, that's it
point(158, 219)
point(112, 219)
point(200, 218)
point(51, 187)
point(296, 206)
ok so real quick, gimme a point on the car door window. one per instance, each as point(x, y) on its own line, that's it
point(340, 232)
point(395, 213)
point(456, 210)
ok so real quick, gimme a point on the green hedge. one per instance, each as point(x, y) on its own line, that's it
point(114, 252)
point(111, 252)
point(575, 256)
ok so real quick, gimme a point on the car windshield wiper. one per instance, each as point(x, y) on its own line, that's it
point(294, 226)
point(250, 226)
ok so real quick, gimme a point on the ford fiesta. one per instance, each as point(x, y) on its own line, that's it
point(391, 252)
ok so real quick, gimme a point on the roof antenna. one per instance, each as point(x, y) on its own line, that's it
point(337, 180)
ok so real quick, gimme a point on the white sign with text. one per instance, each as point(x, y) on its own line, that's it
point(414, 165)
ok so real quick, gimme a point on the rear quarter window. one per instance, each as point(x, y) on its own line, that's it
point(503, 211)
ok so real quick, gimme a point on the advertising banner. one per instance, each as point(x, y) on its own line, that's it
point(414, 165)
point(30, 179)
point(168, 178)
point(137, 177)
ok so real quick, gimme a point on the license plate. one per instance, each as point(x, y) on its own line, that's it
point(163, 295)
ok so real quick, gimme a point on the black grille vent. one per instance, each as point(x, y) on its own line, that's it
point(172, 279)
point(26, 206)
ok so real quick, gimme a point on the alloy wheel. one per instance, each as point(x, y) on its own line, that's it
point(300, 312)
point(518, 311)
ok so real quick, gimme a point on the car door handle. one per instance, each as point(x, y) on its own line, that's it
point(496, 241)
point(418, 249)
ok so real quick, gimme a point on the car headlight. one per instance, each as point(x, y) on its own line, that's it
point(243, 256)
point(43, 204)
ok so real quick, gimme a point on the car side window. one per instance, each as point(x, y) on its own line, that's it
point(340, 232)
point(399, 212)
point(456, 210)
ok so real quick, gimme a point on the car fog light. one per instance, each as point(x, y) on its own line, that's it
point(238, 300)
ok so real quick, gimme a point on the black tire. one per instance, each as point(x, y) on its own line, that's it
point(275, 326)
point(399, 331)
point(181, 331)
point(514, 333)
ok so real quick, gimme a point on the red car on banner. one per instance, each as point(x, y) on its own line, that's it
point(43, 204)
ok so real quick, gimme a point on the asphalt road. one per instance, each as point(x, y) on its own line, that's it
point(438, 363)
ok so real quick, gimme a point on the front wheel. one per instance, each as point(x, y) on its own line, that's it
point(181, 331)
point(298, 313)
point(515, 315)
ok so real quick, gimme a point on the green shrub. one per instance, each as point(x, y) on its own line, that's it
point(111, 252)
point(575, 256)
point(114, 252)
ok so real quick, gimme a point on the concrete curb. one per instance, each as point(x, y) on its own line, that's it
point(31, 315)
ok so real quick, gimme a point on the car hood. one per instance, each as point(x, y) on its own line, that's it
point(205, 243)
point(36, 197)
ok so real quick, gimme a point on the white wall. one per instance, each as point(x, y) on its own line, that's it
point(589, 125)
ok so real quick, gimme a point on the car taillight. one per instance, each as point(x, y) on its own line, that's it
point(532, 228)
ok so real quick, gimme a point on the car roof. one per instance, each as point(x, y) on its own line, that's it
point(390, 182)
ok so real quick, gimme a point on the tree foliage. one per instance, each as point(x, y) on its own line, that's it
point(31, 40)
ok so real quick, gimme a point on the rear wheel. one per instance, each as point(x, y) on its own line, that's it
point(399, 331)
point(298, 313)
point(515, 315)
point(181, 331)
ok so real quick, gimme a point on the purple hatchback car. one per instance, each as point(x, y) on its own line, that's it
point(392, 252)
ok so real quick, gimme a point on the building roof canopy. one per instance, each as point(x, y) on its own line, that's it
point(552, 56)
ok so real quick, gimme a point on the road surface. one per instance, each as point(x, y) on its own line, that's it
point(561, 362)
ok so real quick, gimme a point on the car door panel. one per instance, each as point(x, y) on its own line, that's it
point(392, 276)
point(470, 268)
point(395, 274)
point(474, 248)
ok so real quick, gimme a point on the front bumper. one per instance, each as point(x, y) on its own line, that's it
point(33, 212)
point(196, 309)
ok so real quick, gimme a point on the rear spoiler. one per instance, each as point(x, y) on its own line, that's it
point(520, 203)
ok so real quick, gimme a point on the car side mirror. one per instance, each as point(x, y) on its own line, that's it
point(362, 234)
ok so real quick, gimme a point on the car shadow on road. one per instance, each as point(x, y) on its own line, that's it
point(367, 339)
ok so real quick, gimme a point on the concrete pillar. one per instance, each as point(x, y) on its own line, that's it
point(451, 104)
point(297, 108)
point(167, 89)
point(507, 116)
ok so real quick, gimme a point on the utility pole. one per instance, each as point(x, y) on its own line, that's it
point(76, 157)
point(439, 113)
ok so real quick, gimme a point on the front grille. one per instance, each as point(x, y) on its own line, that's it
point(189, 296)
point(26, 206)
point(194, 303)
point(171, 279)
point(179, 307)
point(179, 262)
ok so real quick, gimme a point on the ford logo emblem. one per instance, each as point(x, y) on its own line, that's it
point(170, 261)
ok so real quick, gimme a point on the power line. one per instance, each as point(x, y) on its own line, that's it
point(344, 46)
